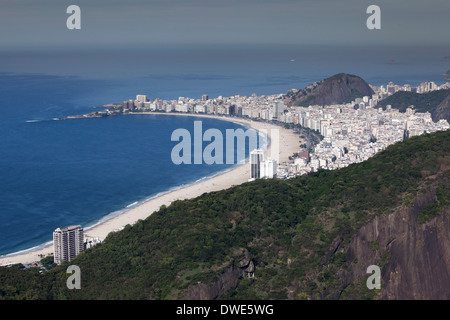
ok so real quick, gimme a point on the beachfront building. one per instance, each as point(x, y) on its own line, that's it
point(141, 98)
point(256, 158)
point(260, 167)
point(91, 242)
point(268, 169)
point(68, 242)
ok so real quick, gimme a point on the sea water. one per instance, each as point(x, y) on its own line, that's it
point(61, 172)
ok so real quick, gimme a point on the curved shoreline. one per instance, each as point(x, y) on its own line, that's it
point(289, 143)
point(110, 216)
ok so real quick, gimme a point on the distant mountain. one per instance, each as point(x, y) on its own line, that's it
point(435, 102)
point(340, 88)
point(310, 237)
point(447, 75)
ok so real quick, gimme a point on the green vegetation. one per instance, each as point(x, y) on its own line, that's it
point(374, 245)
point(424, 102)
point(385, 258)
point(48, 262)
point(287, 226)
point(437, 206)
point(23, 284)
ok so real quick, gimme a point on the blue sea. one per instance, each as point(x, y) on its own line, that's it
point(56, 173)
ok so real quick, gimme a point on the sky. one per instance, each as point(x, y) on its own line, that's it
point(42, 23)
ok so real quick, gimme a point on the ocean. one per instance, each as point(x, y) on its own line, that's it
point(57, 173)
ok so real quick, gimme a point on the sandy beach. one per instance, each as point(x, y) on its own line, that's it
point(288, 145)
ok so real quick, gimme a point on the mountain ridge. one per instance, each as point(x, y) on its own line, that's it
point(337, 89)
point(436, 102)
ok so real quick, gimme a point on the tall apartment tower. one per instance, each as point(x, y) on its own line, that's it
point(256, 158)
point(268, 169)
point(141, 98)
point(278, 110)
point(68, 242)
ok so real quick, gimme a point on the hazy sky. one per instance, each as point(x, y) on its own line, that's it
point(41, 23)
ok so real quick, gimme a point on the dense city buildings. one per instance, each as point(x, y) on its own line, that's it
point(260, 167)
point(350, 133)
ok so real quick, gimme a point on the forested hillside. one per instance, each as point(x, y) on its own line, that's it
point(436, 102)
point(311, 237)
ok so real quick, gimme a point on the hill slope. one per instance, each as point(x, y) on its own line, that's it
point(340, 88)
point(436, 102)
point(442, 111)
point(311, 237)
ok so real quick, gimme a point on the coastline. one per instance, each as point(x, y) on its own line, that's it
point(288, 144)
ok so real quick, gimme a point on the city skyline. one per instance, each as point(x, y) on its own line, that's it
point(350, 132)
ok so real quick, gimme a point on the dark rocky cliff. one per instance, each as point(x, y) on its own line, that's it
point(437, 102)
point(411, 250)
point(340, 88)
point(228, 280)
point(442, 110)
point(410, 254)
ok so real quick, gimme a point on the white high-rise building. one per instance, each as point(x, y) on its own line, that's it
point(278, 110)
point(141, 98)
point(68, 242)
point(256, 159)
point(269, 169)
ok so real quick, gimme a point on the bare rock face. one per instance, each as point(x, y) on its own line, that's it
point(245, 260)
point(226, 281)
point(414, 258)
point(246, 264)
point(332, 250)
